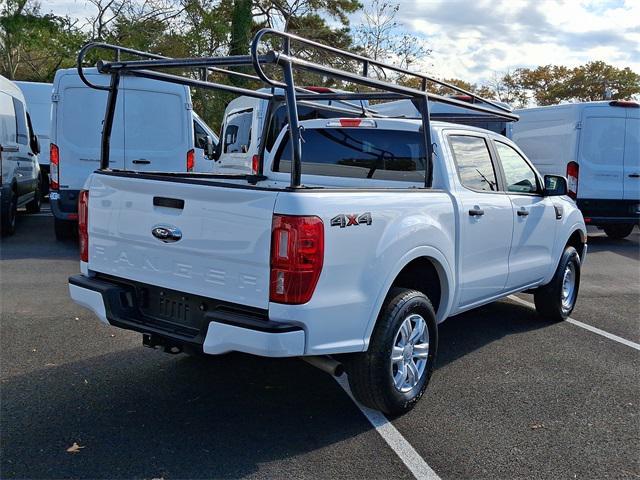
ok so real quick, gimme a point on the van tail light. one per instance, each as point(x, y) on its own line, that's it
point(573, 171)
point(191, 160)
point(83, 224)
point(255, 162)
point(297, 254)
point(54, 167)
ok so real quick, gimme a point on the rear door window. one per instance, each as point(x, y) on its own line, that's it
point(22, 135)
point(472, 158)
point(358, 153)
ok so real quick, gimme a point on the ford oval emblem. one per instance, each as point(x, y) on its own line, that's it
point(166, 233)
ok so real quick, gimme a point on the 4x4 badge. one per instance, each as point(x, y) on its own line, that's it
point(346, 220)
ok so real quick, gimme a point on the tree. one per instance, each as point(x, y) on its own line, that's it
point(551, 84)
point(32, 45)
point(378, 38)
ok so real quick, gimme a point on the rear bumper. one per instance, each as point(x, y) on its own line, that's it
point(204, 324)
point(64, 204)
point(605, 212)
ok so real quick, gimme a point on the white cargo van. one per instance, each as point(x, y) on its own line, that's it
point(154, 129)
point(19, 149)
point(38, 98)
point(597, 146)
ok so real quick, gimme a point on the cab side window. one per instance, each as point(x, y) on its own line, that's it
point(473, 161)
point(519, 176)
point(21, 123)
point(200, 135)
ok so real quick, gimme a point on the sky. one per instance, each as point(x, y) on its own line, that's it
point(475, 39)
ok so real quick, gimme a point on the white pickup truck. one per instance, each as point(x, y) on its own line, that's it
point(356, 266)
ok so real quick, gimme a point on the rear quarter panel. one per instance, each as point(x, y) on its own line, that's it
point(361, 261)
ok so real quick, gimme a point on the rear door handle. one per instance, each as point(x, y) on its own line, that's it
point(142, 161)
point(476, 212)
point(634, 175)
point(523, 212)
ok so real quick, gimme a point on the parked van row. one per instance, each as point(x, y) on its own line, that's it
point(596, 145)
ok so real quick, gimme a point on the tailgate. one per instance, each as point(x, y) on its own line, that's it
point(224, 249)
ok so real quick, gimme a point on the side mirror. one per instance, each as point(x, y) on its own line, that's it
point(209, 148)
point(555, 185)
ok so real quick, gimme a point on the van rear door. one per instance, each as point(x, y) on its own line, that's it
point(157, 118)
point(632, 155)
point(77, 116)
point(601, 153)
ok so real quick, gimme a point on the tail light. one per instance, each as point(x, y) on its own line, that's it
point(54, 167)
point(255, 162)
point(352, 122)
point(191, 160)
point(573, 171)
point(297, 253)
point(83, 224)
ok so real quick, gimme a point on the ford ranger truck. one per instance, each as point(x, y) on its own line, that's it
point(358, 267)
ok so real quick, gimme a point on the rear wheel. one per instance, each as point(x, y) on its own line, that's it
point(555, 301)
point(393, 373)
point(618, 231)
point(65, 229)
point(9, 214)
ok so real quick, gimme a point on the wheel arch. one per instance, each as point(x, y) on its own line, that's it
point(439, 278)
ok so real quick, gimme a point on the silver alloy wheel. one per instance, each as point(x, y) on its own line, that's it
point(409, 353)
point(568, 286)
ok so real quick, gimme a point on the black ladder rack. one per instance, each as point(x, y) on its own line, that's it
point(147, 67)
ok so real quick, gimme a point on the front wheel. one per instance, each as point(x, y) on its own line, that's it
point(393, 373)
point(9, 214)
point(618, 231)
point(555, 301)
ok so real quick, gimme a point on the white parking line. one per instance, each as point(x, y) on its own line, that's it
point(414, 462)
point(608, 335)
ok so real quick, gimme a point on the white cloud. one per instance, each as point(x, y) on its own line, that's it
point(471, 39)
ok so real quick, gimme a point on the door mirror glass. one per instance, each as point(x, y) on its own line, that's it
point(209, 148)
point(555, 185)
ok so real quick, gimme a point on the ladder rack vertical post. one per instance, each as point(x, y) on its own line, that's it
point(423, 107)
point(294, 128)
point(108, 121)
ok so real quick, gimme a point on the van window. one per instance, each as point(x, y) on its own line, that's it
point(21, 123)
point(358, 153)
point(518, 174)
point(603, 140)
point(153, 120)
point(237, 134)
point(81, 117)
point(472, 158)
point(7, 119)
point(200, 135)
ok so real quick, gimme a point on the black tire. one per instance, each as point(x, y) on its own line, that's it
point(34, 205)
point(65, 229)
point(44, 186)
point(9, 214)
point(618, 231)
point(371, 373)
point(549, 298)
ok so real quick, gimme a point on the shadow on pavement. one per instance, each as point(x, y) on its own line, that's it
point(147, 414)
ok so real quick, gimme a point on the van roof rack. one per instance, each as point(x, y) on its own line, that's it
point(288, 62)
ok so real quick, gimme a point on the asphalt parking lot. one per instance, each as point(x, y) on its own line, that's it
point(512, 395)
